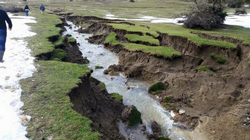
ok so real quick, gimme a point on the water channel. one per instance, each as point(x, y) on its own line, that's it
point(137, 95)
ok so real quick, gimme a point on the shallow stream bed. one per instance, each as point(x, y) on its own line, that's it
point(136, 95)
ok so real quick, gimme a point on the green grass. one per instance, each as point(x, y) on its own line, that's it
point(134, 117)
point(58, 54)
point(136, 28)
point(157, 86)
point(248, 60)
point(98, 67)
point(102, 85)
point(59, 41)
point(116, 96)
point(71, 39)
point(111, 39)
point(158, 8)
point(158, 50)
point(45, 27)
point(176, 30)
point(45, 99)
point(218, 58)
point(205, 69)
point(144, 38)
point(168, 100)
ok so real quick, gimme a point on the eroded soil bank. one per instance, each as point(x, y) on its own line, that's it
point(220, 93)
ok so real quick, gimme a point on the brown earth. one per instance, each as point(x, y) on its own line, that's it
point(95, 103)
point(222, 97)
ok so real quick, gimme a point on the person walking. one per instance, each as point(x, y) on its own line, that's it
point(3, 31)
point(26, 9)
point(42, 8)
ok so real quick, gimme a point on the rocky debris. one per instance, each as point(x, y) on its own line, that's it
point(131, 116)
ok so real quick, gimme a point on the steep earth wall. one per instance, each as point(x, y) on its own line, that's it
point(94, 102)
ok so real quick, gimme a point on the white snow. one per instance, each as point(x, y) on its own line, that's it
point(240, 20)
point(18, 64)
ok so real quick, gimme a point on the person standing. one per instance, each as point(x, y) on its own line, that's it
point(42, 8)
point(3, 31)
point(26, 9)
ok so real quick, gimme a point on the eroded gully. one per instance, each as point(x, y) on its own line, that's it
point(137, 95)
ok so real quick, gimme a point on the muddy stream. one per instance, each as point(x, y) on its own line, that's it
point(137, 95)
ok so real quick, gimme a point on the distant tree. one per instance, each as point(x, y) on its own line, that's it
point(205, 14)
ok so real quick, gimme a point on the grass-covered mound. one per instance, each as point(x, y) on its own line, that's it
point(143, 38)
point(134, 117)
point(158, 50)
point(175, 30)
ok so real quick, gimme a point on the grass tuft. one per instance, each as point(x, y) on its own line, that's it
point(134, 117)
point(102, 85)
point(117, 96)
point(71, 39)
point(144, 38)
point(157, 86)
point(205, 69)
point(218, 58)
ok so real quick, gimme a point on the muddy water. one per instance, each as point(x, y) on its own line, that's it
point(137, 95)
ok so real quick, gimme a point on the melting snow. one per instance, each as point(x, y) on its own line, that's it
point(18, 64)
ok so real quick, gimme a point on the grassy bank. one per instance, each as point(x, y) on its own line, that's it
point(45, 93)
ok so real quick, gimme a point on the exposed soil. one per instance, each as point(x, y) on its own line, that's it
point(95, 103)
point(222, 97)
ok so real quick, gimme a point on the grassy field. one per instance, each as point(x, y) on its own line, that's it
point(139, 8)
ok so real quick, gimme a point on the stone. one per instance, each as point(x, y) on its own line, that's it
point(181, 111)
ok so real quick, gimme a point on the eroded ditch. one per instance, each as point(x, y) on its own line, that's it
point(221, 97)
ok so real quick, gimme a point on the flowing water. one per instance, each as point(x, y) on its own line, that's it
point(137, 95)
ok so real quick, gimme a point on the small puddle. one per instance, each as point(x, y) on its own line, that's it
point(137, 95)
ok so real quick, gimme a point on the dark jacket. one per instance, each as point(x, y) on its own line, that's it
point(4, 17)
point(26, 7)
point(42, 7)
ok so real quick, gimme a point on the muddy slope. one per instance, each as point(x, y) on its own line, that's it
point(95, 103)
point(222, 95)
